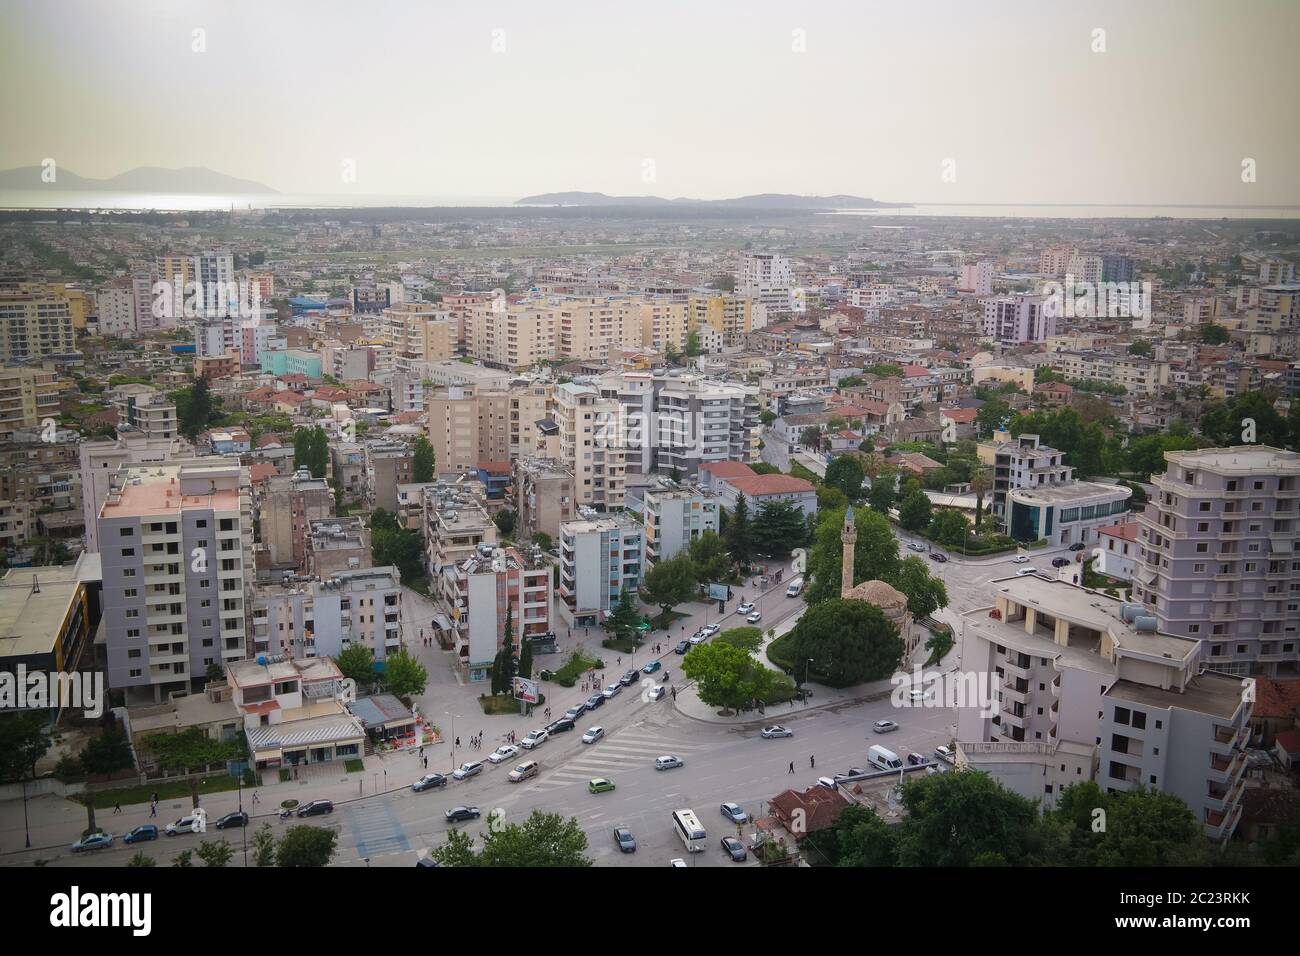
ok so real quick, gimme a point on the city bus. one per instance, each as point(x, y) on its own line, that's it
point(689, 829)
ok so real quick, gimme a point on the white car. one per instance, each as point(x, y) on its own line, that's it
point(534, 738)
point(468, 770)
point(913, 546)
point(745, 608)
point(592, 735)
point(667, 762)
point(189, 824)
point(708, 630)
point(916, 694)
point(612, 691)
point(776, 730)
point(755, 617)
point(1019, 559)
point(677, 862)
point(1023, 571)
point(503, 754)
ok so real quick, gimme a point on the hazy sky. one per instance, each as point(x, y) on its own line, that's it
point(712, 92)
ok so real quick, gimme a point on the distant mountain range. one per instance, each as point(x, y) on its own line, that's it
point(142, 179)
point(760, 201)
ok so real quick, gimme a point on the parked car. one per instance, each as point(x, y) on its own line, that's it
point(502, 754)
point(599, 785)
point(186, 824)
point(595, 700)
point(755, 617)
point(430, 781)
point(884, 726)
point(851, 772)
point(916, 694)
point(467, 770)
point(146, 831)
point(95, 841)
point(945, 753)
point(651, 667)
point(699, 637)
point(1026, 570)
point(573, 713)
point(677, 861)
point(560, 726)
point(917, 760)
point(623, 837)
point(318, 807)
point(667, 762)
point(745, 608)
point(734, 813)
point(534, 738)
point(1019, 559)
point(612, 691)
point(236, 819)
point(1060, 562)
point(629, 678)
point(1078, 546)
point(529, 768)
point(656, 692)
point(939, 556)
point(683, 646)
point(776, 730)
point(735, 849)
point(456, 814)
point(913, 546)
point(593, 734)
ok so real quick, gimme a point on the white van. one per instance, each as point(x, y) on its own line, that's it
point(795, 589)
point(878, 756)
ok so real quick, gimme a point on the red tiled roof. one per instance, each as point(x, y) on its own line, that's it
point(961, 416)
point(1276, 698)
point(727, 469)
point(1127, 531)
point(495, 467)
point(757, 485)
point(260, 471)
point(821, 807)
point(915, 371)
point(266, 441)
point(1289, 740)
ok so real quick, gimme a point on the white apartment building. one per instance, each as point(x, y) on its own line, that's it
point(1013, 320)
point(601, 556)
point(300, 617)
point(675, 516)
point(977, 277)
point(1139, 376)
point(590, 444)
point(767, 280)
point(1087, 688)
point(485, 587)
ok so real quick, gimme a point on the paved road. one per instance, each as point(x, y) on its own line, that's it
point(721, 764)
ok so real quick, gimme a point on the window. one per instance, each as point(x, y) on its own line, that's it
point(129, 593)
point(128, 572)
point(132, 612)
point(126, 532)
point(128, 552)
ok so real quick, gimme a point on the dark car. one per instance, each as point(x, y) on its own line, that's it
point(141, 833)
point(594, 701)
point(934, 556)
point(428, 782)
point(457, 814)
point(1078, 546)
point(683, 646)
point(424, 861)
point(735, 849)
point(1060, 562)
point(623, 837)
point(628, 679)
point(561, 725)
point(316, 808)
point(236, 819)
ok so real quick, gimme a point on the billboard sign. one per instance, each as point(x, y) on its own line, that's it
point(719, 592)
point(526, 690)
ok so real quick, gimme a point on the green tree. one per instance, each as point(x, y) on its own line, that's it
point(311, 450)
point(949, 528)
point(422, 461)
point(1140, 347)
point(845, 473)
point(1142, 827)
point(914, 512)
point(357, 662)
point(991, 417)
point(526, 660)
point(767, 416)
point(957, 818)
point(670, 582)
point(141, 860)
point(925, 593)
point(748, 639)
point(885, 370)
point(404, 676)
point(183, 859)
point(848, 642)
point(505, 522)
point(195, 409)
point(779, 528)
point(692, 349)
point(882, 494)
point(874, 556)
point(740, 533)
point(624, 621)
point(264, 846)
point(107, 752)
point(457, 851)
point(1212, 334)
point(214, 853)
point(543, 541)
point(542, 840)
point(709, 554)
point(23, 741)
point(306, 846)
point(831, 499)
point(1228, 423)
point(858, 837)
point(727, 676)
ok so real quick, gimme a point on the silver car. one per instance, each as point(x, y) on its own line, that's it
point(466, 770)
point(667, 762)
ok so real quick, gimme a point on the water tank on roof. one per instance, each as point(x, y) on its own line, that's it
point(1130, 612)
point(1144, 623)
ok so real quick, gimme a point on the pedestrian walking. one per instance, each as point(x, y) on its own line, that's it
point(154, 798)
point(153, 808)
point(426, 763)
point(117, 808)
point(812, 761)
point(791, 770)
point(457, 741)
point(256, 798)
point(620, 662)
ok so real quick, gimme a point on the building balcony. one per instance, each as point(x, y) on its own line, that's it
point(1015, 670)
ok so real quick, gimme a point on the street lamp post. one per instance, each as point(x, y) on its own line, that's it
point(452, 739)
point(26, 831)
point(243, 826)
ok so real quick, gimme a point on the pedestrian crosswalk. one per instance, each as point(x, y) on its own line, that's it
point(619, 752)
point(373, 827)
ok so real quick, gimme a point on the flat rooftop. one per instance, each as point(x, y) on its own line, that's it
point(1240, 459)
point(29, 622)
point(1217, 695)
point(1064, 494)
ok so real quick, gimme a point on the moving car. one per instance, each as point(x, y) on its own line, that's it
point(612, 691)
point(916, 694)
point(776, 730)
point(1078, 546)
point(457, 814)
point(140, 834)
point(755, 617)
point(623, 837)
point(593, 734)
point(655, 693)
point(466, 770)
point(318, 807)
point(884, 726)
point(628, 679)
point(745, 608)
point(795, 589)
point(95, 841)
point(1026, 570)
point(734, 813)
point(431, 781)
point(528, 768)
point(651, 667)
point(1060, 562)
point(1019, 559)
point(187, 824)
point(599, 785)
point(502, 754)
point(667, 762)
point(560, 726)
point(939, 556)
point(573, 713)
point(236, 819)
point(735, 849)
point(683, 646)
point(595, 700)
point(913, 546)
point(534, 738)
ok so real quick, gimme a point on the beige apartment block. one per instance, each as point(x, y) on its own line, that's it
point(590, 445)
point(516, 336)
point(27, 396)
point(417, 331)
point(35, 322)
point(728, 313)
